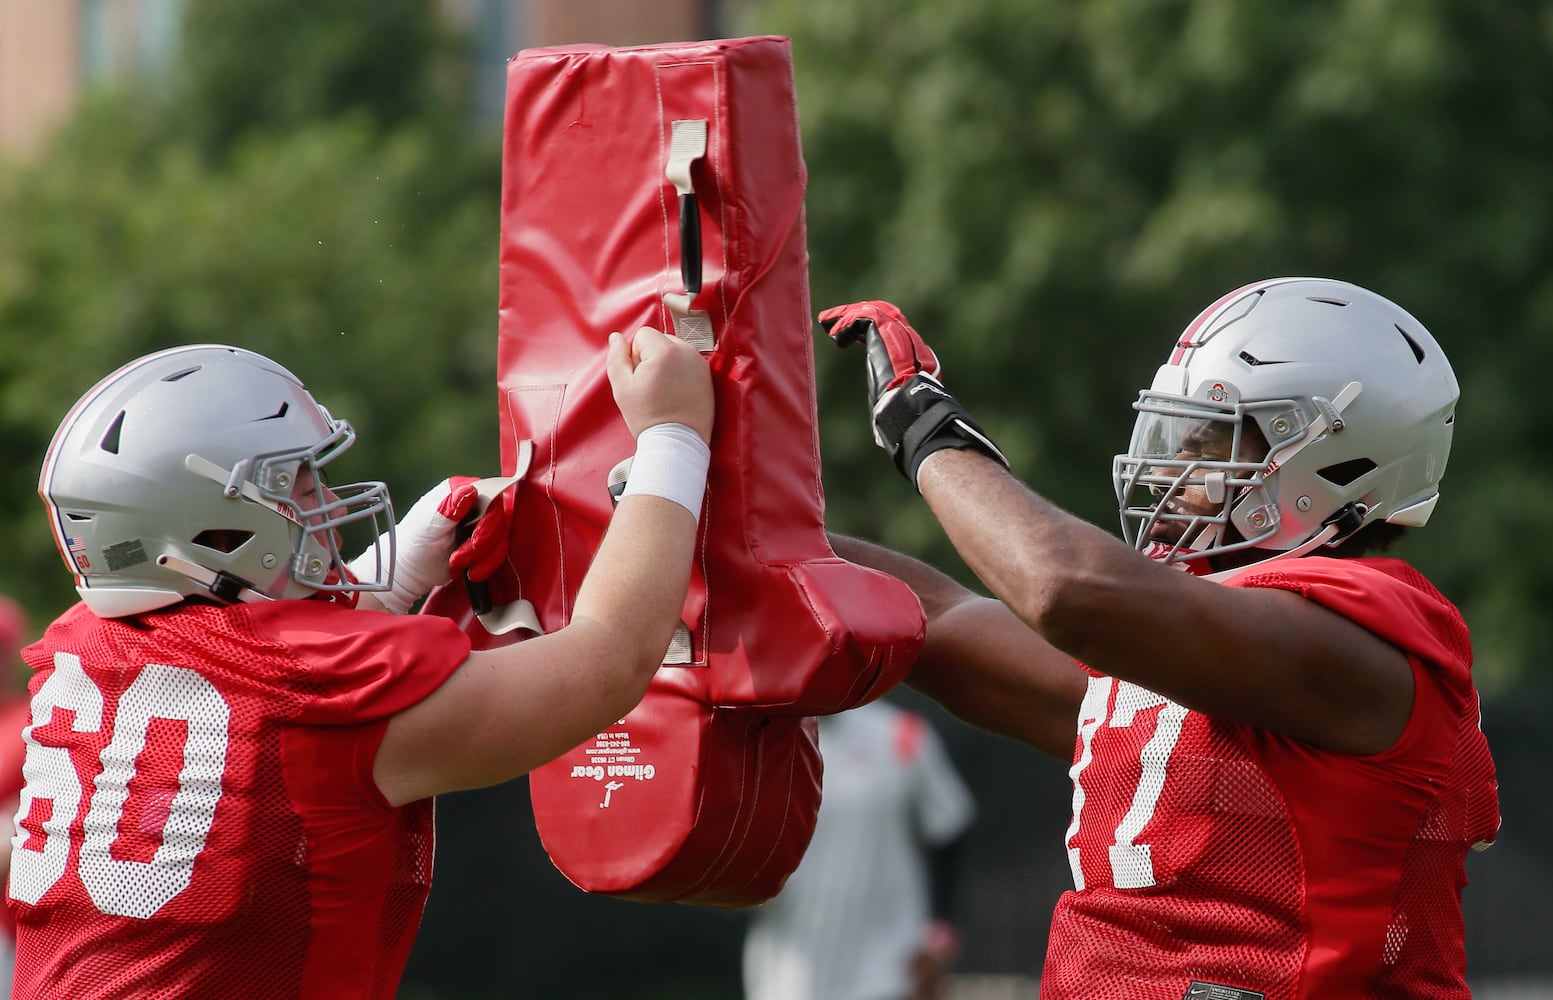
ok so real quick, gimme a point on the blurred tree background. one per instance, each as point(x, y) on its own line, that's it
point(1051, 189)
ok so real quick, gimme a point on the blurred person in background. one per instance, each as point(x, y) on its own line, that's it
point(1277, 765)
point(13, 717)
point(236, 735)
point(866, 915)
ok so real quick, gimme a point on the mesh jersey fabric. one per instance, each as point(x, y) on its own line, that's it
point(13, 718)
point(200, 818)
point(1212, 853)
point(851, 914)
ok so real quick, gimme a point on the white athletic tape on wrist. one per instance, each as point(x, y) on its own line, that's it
point(423, 540)
point(671, 462)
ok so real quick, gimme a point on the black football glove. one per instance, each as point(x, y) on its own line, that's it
point(913, 414)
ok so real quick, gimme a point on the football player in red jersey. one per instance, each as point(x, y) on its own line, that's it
point(233, 749)
point(1276, 758)
point(13, 717)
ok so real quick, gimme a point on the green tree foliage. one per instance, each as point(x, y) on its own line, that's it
point(352, 240)
point(1052, 190)
point(277, 64)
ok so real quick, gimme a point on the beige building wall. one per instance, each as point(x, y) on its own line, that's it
point(39, 70)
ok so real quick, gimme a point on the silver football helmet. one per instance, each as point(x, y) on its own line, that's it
point(197, 471)
point(1292, 413)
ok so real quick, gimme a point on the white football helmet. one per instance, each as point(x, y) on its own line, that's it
point(197, 471)
point(1355, 404)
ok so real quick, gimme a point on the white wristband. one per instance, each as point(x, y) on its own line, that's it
point(671, 462)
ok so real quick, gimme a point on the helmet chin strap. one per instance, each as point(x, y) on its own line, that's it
point(222, 585)
point(1348, 519)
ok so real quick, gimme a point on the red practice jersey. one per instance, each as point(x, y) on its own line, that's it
point(200, 818)
point(1217, 860)
point(13, 719)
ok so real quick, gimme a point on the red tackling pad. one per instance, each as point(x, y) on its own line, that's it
point(663, 186)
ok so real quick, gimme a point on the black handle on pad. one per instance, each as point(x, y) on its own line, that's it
point(479, 594)
point(690, 242)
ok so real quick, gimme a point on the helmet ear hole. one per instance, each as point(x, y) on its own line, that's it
point(222, 539)
point(1347, 472)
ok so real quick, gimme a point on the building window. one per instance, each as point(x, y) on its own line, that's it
point(161, 25)
point(494, 40)
point(119, 37)
point(96, 47)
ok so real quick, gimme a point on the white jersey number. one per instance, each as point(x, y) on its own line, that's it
point(120, 887)
point(1132, 863)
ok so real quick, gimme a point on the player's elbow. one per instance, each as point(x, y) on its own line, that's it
point(647, 656)
point(1034, 599)
point(628, 654)
point(1059, 605)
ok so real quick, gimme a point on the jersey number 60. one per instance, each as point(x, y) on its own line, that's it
point(117, 886)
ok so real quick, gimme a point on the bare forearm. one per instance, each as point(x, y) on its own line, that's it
point(1090, 595)
point(511, 708)
point(1061, 575)
point(636, 585)
point(980, 661)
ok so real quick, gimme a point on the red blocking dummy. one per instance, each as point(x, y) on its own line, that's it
point(663, 186)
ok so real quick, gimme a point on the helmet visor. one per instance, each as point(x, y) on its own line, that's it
point(293, 483)
point(1187, 468)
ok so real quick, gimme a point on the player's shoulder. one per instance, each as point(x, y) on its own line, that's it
point(298, 625)
point(287, 617)
point(339, 640)
point(334, 664)
point(1386, 596)
point(1372, 577)
point(73, 618)
point(325, 662)
point(75, 628)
